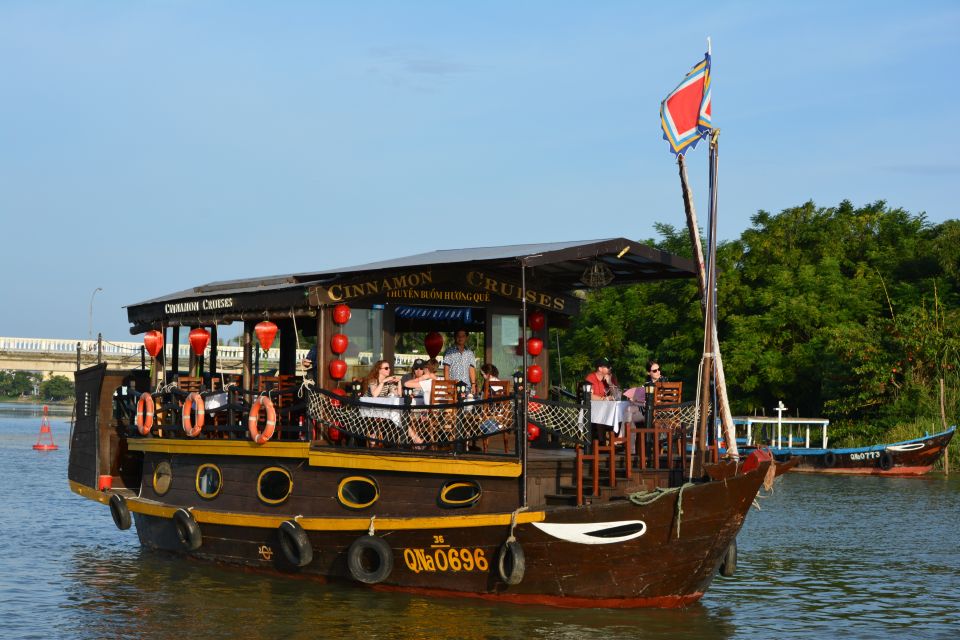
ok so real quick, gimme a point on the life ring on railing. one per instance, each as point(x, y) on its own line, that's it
point(370, 559)
point(886, 461)
point(254, 419)
point(295, 544)
point(194, 400)
point(511, 564)
point(144, 417)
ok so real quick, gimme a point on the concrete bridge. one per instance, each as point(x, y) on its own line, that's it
point(52, 356)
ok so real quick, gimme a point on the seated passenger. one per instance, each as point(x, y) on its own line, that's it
point(379, 383)
point(490, 374)
point(602, 381)
point(418, 373)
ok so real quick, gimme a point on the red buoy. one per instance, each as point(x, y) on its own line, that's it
point(45, 431)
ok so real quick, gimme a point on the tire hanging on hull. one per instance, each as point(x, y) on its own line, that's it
point(728, 566)
point(370, 559)
point(120, 511)
point(511, 563)
point(295, 544)
point(886, 461)
point(187, 530)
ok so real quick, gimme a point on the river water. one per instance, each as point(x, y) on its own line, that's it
point(823, 557)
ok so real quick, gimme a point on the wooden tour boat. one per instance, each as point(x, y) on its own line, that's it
point(510, 495)
point(791, 439)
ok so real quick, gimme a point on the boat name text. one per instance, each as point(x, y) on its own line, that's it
point(207, 304)
point(339, 292)
point(866, 455)
point(510, 290)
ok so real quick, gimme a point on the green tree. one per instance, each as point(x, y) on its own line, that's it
point(56, 388)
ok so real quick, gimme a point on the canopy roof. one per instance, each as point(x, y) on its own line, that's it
point(556, 269)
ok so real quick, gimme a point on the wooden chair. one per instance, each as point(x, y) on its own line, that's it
point(443, 392)
point(500, 412)
point(190, 384)
point(665, 427)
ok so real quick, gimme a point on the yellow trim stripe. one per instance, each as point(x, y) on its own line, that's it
point(220, 447)
point(415, 464)
point(149, 507)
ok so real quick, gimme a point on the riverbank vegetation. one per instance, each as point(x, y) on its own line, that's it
point(848, 313)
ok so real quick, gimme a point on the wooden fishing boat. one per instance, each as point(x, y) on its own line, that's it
point(507, 495)
point(790, 438)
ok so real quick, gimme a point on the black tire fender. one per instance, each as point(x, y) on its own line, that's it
point(295, 544)
point(370, 559)
point(120, 511)
point(728, 565)
point(829, 459)
point(511, 564)
point(187, 530)
point(886, 460)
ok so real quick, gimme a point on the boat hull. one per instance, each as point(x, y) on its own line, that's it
point(909, 458)
point(668, 562)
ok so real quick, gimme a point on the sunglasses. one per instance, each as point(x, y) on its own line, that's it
point(654, 370)
point(385, 367)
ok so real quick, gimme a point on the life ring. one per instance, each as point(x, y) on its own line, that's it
point(254, 418)
point(187, 530)
point(829, 459)
point(144, 417)
point(728, 566)
point(886, 461)
point(120, 511)
point(193, 401)
point(370, 559)
point(511, 563)
point(295, 544)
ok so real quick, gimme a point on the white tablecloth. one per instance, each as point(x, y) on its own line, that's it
point(609, 413)
point(386, 414)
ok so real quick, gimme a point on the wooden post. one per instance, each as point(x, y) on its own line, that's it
point(213, 350)
point(248, 356)
point(943, 420)
point(288, 347)
point(175, 351)
point(694, 231)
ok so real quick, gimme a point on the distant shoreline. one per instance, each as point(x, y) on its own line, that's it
point(30, 401)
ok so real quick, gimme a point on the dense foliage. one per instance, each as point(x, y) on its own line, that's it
point(56, 388)
point(14, 384)
point(842, 312)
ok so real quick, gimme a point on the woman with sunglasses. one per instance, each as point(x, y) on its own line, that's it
point(379, 383)
point(654, 374)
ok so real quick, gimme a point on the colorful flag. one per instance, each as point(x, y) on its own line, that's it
point(685, 113)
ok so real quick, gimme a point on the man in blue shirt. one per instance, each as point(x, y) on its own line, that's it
point(460, 363)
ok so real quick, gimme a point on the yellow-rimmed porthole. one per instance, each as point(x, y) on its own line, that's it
point(459, 493)
point(162, 477)
point(274, 485)
point(357, 492)
point(209, 480)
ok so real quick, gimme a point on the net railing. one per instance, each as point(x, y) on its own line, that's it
point(407, 423)
point(569, 421)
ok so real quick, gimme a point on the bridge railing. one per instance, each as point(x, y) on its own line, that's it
point(110, 348)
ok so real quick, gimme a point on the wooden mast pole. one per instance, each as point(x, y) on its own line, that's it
point(693, 228)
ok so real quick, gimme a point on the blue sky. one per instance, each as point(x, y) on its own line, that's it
point(149, 147)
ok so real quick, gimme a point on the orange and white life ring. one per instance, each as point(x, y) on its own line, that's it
point(193, 400)
point(144, 417)
point(254, 419)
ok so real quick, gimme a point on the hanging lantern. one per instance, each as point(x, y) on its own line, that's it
point(338, 343)
point(199, 338)
point(337, 369)
point(534, 373)
point(334, 434)
point(153, 341)
point(266, 331)
point(341, 314)
point(340, 392)
point(534, 346)
point(433, 342)
point(537, 320)
point(533, 431)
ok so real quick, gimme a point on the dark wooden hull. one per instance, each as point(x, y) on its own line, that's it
point(909, 458)
point(670, 565)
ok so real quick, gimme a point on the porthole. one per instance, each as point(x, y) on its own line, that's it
point(459, 493)
point(274, 485)
point(162, 477)
point(209, 481)
point(357, 492)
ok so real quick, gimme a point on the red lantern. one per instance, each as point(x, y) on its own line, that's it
point(534, 346)
point(341, 314)
point(534, 373)
point(338, 343)
point(198, 340)
point(338, 369)
point(433, 342)
point(334, 434)
point(537, 320)
point(533, 431)
point(153, 341)
point(266, 331)
point(340, 392)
